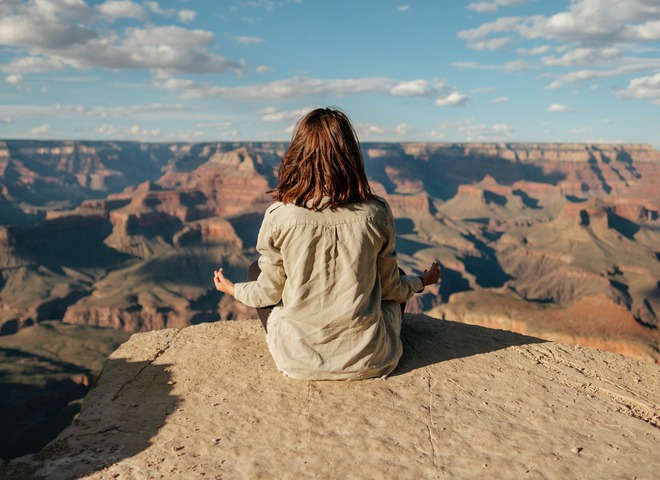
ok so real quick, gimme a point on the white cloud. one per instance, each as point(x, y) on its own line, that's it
point(599, 21)
point(54, 34)
point(491, 45)
point(435, 135)
point(454, 99)
point(40, 130)
point(533, 51)
point(578, 76)
point(643, 88)
point(297, 87)
point(584, 57)
point(585, 21)
point(498, 100)
point(263, 69)
point(14, 79)
point(402, 129)
point(365, 130)
point(557, 107)
point(477, 132)
point(187, 15)
point(470, 65)
point(134, 131)
point(403, 8)
point(137, 130)
point(504, 24)
point(580, 131)
point(599, 34)
point(248, 40)
point(37, 32)
point(412, 88)
point(107, 129)
point(114, 9)
point(153, 111)
point(156, 8)
point(33, 65)
point(519, 65)
point(490, 7)
point(271, 114)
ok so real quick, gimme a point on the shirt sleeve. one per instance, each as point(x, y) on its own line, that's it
point(394, 286)
point(266, 290)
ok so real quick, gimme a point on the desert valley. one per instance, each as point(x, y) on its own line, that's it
point(558, 241)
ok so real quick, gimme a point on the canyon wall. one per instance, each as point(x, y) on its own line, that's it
point(559, 239)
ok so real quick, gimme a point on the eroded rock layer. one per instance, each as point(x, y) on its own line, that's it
point(561, 240)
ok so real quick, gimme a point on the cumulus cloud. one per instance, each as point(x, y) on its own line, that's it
point(557, 107)
point(643, 88)
point(454, 99)
point(187, 15)
point(114, 9)
point(57, 34)
point(156, 8)
point(263, 69)
point(366, 130)
point(585, 21)
point(599, 34)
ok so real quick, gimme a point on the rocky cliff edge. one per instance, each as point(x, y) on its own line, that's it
point(465, 402)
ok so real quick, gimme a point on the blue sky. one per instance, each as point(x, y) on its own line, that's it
point(232, 70)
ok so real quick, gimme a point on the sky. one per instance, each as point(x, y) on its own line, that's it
point(246, 70)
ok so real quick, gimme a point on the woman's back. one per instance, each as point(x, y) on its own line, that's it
point(328, 266)
point(330, 322)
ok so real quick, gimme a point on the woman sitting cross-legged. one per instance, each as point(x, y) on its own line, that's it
point(328, 266)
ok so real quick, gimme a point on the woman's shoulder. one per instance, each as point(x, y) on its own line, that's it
point(376, 208)
point(380, 205)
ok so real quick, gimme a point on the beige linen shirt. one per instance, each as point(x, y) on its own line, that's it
point(333, 278)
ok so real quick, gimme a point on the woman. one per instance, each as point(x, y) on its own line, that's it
point(328, 264)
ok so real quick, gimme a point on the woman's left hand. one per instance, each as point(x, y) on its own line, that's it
point(432, 275)
point(222, 283)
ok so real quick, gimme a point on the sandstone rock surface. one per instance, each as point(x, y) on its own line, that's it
point(465, 402)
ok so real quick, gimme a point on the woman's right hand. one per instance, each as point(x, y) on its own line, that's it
point(222, 283)
point(431, 275)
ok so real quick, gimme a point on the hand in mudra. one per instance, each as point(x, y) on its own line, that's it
point(431, 275)
point(222, 283)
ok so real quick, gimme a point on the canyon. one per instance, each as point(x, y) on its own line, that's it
point(561, 241)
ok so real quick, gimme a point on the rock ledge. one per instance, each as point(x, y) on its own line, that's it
point(465, 402)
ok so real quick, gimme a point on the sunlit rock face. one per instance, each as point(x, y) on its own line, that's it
point(556, 239)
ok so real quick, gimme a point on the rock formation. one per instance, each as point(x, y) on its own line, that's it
point(126, 234)
point(465, 402)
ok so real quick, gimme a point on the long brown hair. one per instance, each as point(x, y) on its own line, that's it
point(324, 159)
